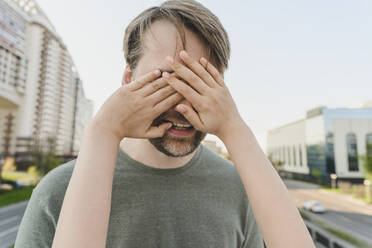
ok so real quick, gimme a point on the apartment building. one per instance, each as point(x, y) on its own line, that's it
point(41, 93)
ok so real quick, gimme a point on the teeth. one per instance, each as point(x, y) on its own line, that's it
point(181, 125)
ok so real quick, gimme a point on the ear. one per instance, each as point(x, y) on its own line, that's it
point(127, 77)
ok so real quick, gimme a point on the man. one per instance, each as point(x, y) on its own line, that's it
point(142, 179)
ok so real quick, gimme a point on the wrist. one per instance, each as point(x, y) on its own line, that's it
point(234, 132)
point(97, 130)
point(231, 128)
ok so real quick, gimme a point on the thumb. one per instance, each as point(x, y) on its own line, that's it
point(159, 131)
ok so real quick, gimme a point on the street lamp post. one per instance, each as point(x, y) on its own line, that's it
point(333, 180)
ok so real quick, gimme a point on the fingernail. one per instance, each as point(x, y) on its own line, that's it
point(183, 54)
point(181, 108)
point(169, 59)
point(203, 61)
point(165, 74)
point(157, 72)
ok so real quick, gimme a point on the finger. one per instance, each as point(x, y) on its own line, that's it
point(152, 87)
point(159, 131)
point(166, 104)
point(212, 70)
point(148, 77)
point(188, 75)
point(191, 116)
point(159, 95)
point(198, 69)
point(189, 93)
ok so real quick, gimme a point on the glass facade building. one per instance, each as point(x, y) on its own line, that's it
point(334, 142)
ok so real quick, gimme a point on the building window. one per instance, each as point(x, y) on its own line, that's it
point(300, 153)
point(352, 152)
point(294, 156)
point(289, 156)
point(369, 148)
point(330, 156)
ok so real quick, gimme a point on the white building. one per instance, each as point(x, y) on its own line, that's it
point(326, 141)
point(41, 90)
point(13, 67)
point(83, 114)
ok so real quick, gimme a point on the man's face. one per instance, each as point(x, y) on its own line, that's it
point(160, 41)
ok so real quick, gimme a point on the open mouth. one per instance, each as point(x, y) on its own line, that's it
point(179, 129)
point(179, 126)
point(176, 125)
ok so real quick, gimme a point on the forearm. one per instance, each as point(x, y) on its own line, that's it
point(274, 209)
point(84, 216)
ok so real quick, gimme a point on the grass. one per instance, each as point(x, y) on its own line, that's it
point(345, 236)
point(332, 189)
point(304, 215)
point(15, 195)
point(362, 199)
point(339, 190)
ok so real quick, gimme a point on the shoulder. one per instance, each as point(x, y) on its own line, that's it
point(221, 168)
point(218, 163)
point(54, 184)
point(41, 215)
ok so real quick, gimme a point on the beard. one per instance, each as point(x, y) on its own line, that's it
point(176, 146)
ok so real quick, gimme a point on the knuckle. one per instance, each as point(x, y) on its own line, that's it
point(158, 108)
point(194, 64)
point(177, 66)
point(162, 93)
point(205, 105)
point(155, 85)
point(202, 106)
point(186, 89)
point(194, 78)
point(170, 89)
point(215, 73)
point(172, 80)
point(148, 76)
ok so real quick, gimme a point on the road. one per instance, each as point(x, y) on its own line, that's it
point(351, 215)
point(10, 218)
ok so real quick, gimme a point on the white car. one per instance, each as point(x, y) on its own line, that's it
point(314, 206)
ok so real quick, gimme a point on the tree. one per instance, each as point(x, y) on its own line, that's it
point(276, 163)
point(2, 161)
point(367, 165)
point(317, 175)
point(44, 155)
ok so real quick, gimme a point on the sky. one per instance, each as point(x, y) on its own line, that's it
point(287, 56)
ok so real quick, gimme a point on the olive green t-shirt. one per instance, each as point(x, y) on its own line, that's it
point(201, 204)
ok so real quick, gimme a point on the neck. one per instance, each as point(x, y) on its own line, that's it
point(144, 152)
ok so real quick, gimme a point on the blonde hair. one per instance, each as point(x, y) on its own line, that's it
point(182, 13)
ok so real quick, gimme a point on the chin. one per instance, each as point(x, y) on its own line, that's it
point(177, 146)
